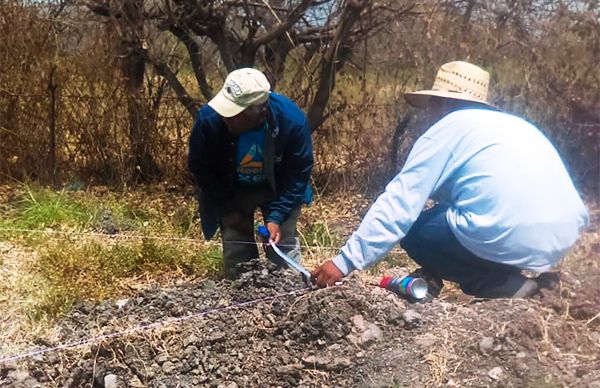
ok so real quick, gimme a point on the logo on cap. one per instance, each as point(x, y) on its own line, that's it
point(233, 88)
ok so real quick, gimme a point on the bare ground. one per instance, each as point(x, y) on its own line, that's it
point(351, 335)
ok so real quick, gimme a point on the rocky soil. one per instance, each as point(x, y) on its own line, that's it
point(354, 335)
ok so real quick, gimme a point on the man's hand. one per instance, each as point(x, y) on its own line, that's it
point(326, 275)
point(274, 233)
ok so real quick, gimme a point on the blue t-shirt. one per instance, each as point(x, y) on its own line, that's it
point(250, 159)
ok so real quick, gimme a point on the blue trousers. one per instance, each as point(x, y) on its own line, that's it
point(432, 245)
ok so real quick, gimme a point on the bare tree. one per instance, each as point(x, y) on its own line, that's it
point(126, 23)
point(257, 33)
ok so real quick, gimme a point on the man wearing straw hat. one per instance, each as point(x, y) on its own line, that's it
point(249, 149)
point(504, 200)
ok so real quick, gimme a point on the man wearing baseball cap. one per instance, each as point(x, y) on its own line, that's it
point(250, 148)
point(504, 199)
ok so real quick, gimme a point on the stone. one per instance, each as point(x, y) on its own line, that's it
point(496, 373)
point(338, 364)
point(168, 367)
point(209, 284)
point(216, 337)
point(191, 340)
point(411, 318)
point(353, 339)
point(426, 340)
point(394, 317)
point(161, 358)
point(359, 322)
point(486, 344)
point(111, 381)
point(371, 334)
point(522, 367)
point(334, 347)
point(121, 303)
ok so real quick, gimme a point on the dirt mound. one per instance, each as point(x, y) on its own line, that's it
point(350, 335)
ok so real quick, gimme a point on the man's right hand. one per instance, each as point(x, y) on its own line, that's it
point(327, 274)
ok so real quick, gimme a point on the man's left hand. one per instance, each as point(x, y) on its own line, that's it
point(274, 233)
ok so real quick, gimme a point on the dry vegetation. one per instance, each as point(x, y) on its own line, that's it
point(67, 113)
point(95, 110)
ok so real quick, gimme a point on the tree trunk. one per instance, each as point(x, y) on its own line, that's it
point(133, 66)
point(334, 58)
point(52, 87)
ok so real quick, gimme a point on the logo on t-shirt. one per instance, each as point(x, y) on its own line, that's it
point(250, 159)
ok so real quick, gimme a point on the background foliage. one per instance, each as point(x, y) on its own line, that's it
point(104, 92)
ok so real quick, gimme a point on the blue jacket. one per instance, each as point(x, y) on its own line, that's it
point(288, 161)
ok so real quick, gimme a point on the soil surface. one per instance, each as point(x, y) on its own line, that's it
point(354, 335)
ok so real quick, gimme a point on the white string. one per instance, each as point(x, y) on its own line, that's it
point(147, 237)
point(150, 326)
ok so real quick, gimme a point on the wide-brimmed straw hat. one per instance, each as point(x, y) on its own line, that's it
point(242, 88)
point(455, 80)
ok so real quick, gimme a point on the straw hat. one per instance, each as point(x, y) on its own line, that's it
point(455, 80)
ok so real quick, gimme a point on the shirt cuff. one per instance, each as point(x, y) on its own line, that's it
point(345, 266)
point(275, 217)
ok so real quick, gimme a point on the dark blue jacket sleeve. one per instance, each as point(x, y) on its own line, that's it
point(203, 165)
point(298, 165)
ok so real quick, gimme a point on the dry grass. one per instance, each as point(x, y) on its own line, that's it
point(442, 359)
point(66, 255)
point(17, 290)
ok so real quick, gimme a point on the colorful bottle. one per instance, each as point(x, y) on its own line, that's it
point(407, 286)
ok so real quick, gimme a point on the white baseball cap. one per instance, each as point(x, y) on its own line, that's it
point(242, 88)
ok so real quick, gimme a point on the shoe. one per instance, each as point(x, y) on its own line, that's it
point(548, 280)
point(234, 270)
point(516, 286)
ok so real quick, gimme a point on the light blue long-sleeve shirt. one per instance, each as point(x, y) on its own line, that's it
point(510, 197)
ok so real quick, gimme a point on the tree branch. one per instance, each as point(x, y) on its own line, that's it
point(195, 58)
point(292, 18)
point(182, 95)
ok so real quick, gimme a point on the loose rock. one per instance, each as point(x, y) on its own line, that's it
point(496, 373)
point(486, 345)
point(110, 381)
